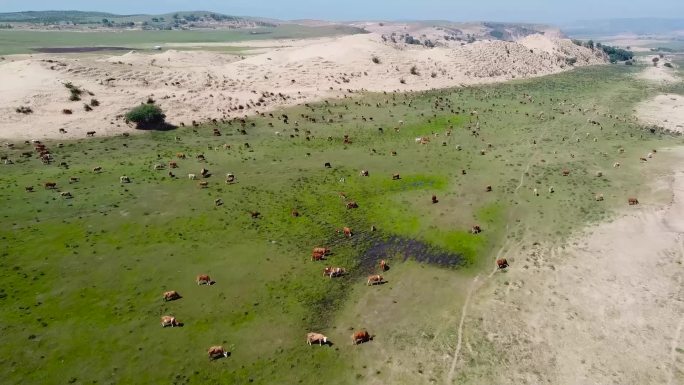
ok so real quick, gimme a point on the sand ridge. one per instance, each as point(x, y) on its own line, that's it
point(202, 85)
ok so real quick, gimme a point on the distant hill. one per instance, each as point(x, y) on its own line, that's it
point(610, 27)
point(175, 20)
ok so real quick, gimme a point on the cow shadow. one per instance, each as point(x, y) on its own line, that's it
point(379, 283)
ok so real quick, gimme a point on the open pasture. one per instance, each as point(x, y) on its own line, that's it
point(81, 279)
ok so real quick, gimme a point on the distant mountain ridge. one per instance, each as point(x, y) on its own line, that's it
point(637, 26)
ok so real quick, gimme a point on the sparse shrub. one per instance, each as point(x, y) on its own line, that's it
point(24, 110)
point(655, 61)
point(74, 97)
point(146, 115)
point(150, 101)
point(87, 108)
point(67, 111)
point(629, 63)
point(402, 81)
point(433, 75)
point(376, 60)
point(94, 102)
point(414, 71)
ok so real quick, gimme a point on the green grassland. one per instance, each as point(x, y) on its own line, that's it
point(81, 279)
point(21, 41)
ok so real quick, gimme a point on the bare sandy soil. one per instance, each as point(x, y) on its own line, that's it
point(606, 308)
point(658, 74)
point(666, 111)
point(201, 85)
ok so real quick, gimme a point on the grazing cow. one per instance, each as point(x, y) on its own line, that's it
point(650, 155)
point(374, 279)
point(173, 165)
point(254, 214)
point(396, 177)
point(171, 175)
point(73, 179)
point(599, 197)
point(50, 185)
point(204, 279)
point(168, 320)
point(97, 169)
point(566, 172)
point(192, 176)
point(360, 337)
point(230, 178)
point(295, 213)
point(334, 271)
point(203, 184)
point(502, 263)
point(204, 172)
point(633, 201)
point(66, 194)
point(476, 229)
point(158, 166)
point(347, 232)
point(364, 173)
point(28, 188)
point(488, 188)
point(483, 152)
point(218, 202)
point(643, 159)
point(319, 253)
point(463, 172)
point(383, 265)
point(434, 199)
point(373, 228)
point(90, 133)
point(536, 192)
point(551, 190)
point(171, 295)
point(216, 352)
point(616, 164)
point(352, 205)
point(312, 338)
point(201, 157)
point(62, 131)
point(393, 153)
point(180, 155)
point(327, 165)
point(124, 179)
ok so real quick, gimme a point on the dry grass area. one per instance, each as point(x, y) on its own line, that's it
point(605, 308)
point(201, 85)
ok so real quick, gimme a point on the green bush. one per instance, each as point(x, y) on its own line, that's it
point(146, 115)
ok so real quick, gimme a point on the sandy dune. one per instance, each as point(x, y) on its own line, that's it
point(200, 85)
point(607, 308)
point(666, 111)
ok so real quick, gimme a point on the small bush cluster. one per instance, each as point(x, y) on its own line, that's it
point(24, 110)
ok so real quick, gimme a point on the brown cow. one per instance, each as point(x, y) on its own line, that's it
point(216, 352)
point(312, 338)
point(204, 279)
point(566, 172)
point(476, 229)
point(360, 337)
point(347, 232)
point(173, 165)
point(171, 295)
point(383, 265)
point(295, 213)
point(255, 214)
point(180, 155)
point(434, 199)
point(90, 133)
point(352, 205)
point(502, 263)
point(168, 320)
point(374, 279)
point(633, 201)
point(488, 188)
point(319, 253)
point(50, 185)
point(334, 271)
point(396, 177)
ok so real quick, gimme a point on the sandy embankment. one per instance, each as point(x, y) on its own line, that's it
point(606, 308)
point(199, 85)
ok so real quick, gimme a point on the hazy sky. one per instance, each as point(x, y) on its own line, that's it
point(457, 10)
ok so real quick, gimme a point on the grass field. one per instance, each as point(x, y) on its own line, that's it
point(81, 279)
point(17, 42)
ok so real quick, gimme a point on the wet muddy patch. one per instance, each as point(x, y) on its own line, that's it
point(399, 249)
